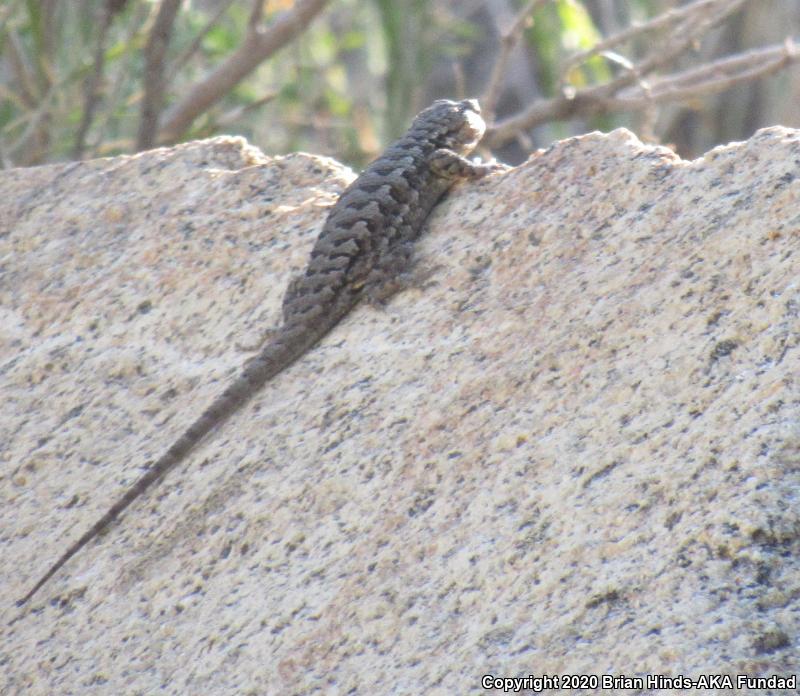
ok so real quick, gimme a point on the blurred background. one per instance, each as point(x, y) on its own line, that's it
point(94, 78)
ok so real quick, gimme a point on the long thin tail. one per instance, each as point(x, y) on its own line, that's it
point(288, 345)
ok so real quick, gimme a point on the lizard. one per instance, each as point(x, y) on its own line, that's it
point(363, 251)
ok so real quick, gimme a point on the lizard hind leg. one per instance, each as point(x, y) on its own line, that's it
point(396, 271)
point(291, 294)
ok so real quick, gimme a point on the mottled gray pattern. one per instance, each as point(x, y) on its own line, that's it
point(364, 247)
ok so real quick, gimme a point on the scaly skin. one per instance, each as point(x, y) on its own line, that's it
point(364, 248)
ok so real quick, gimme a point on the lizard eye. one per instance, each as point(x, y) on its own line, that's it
point(471, 105)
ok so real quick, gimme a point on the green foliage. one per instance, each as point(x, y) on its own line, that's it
point(369, 57)
point(560, 29)
point(406, 34)
point(349, 83)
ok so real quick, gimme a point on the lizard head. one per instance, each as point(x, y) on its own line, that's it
point(455, 125)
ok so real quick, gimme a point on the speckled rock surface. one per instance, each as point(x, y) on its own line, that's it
point(577, 450)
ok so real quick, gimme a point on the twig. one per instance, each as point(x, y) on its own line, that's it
point(236, 114)
point(36, 80)
point(256, 15)
point(703, 81)
point(655, 24)
point(91, 98)
point(184, 57)
point(256, 48)
point(459, 80)
point(6, 12)
point(155, 52)
point(596, 99)
point(681, 39)
point(6, 94)
point(29, 141)
point(716, 76)
point(508, 40)
point(19, 68)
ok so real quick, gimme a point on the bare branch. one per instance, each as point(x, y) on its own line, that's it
point(91, 97)
point(184, 57)
point(687, 12)
point(702, 81)
point(694, 24)
point(9, 95)
point(508, 40)
point(116, 94)
point(155, 52)
point(681, 38)
point(5, 13)
point(234, 115)
point(35, 81)
point(20, 69)
point(459, 80)
point(714, 77)
point(258, 45)
point(48, 12)
point(29, 149)
point(256, 14)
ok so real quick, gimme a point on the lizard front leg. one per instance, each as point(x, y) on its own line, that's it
point(452, 166)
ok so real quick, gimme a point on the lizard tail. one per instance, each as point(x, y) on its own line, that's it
point(288, 345)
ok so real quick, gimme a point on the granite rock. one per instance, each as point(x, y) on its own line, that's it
point(575, 450)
